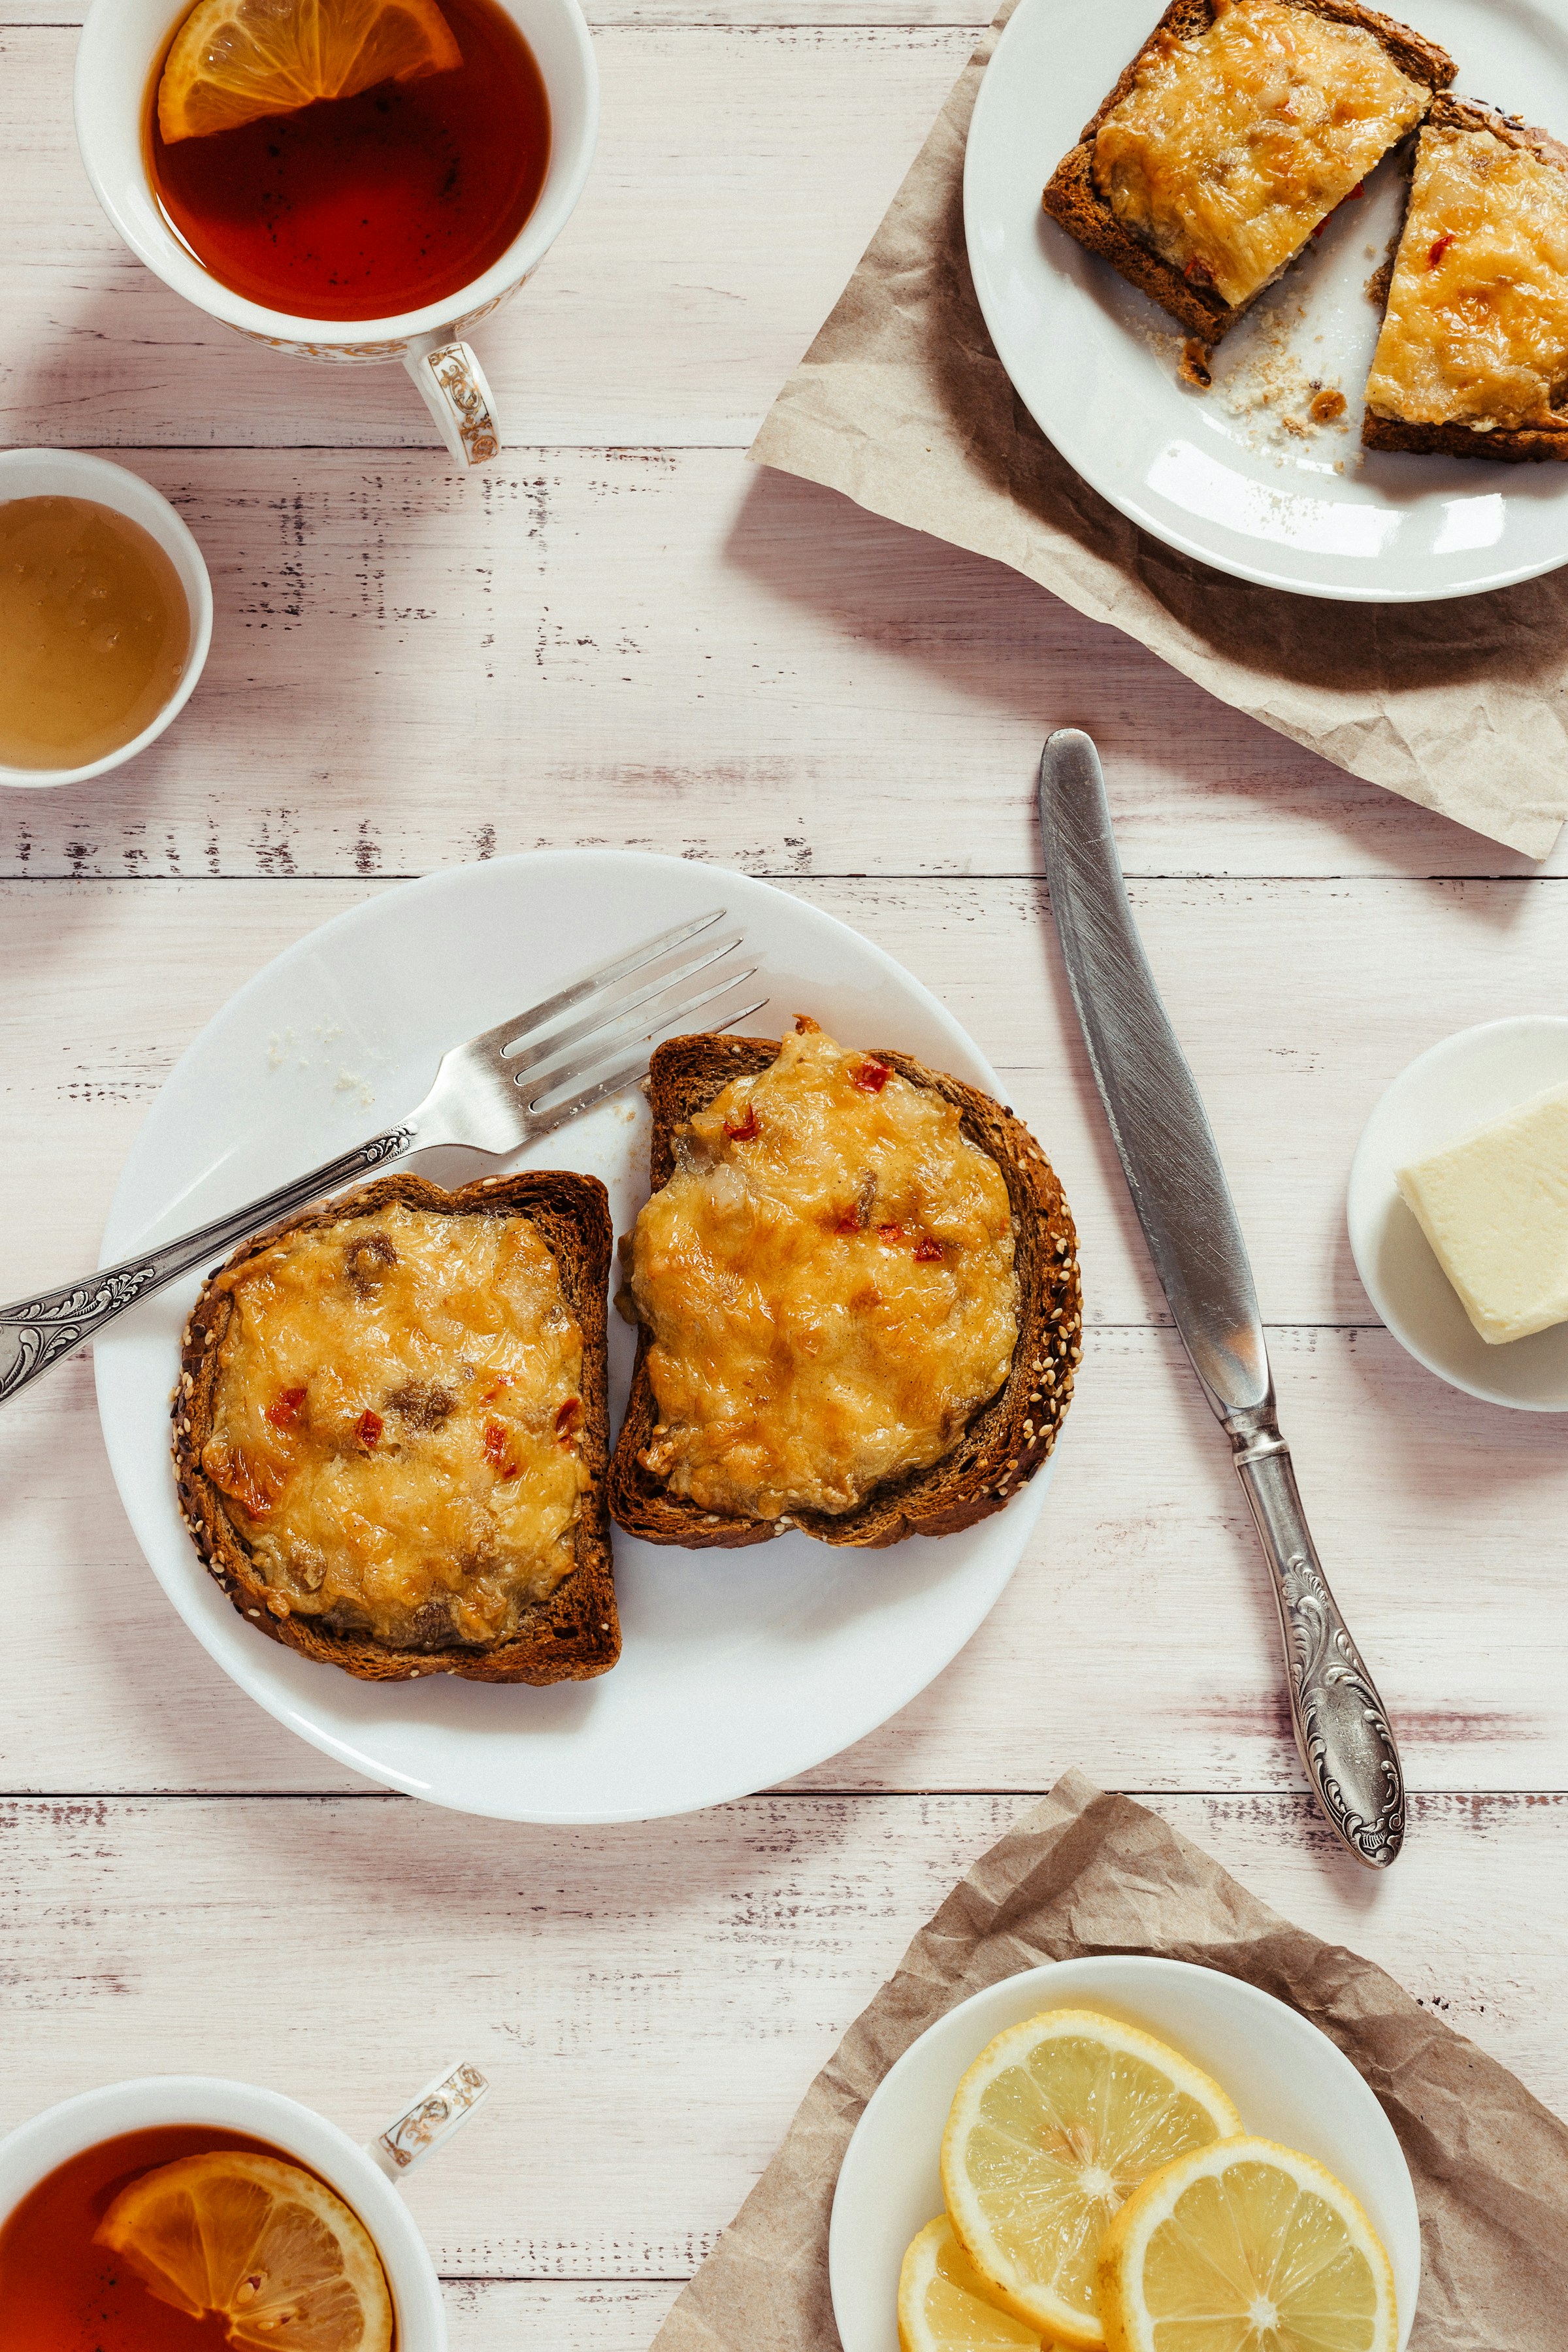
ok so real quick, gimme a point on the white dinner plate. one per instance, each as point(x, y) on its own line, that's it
point(740, 1669)
point(1095, 360)
point(1289, 2081)
point(1469, 1079)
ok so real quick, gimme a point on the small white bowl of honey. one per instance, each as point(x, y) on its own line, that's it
point(106, 613)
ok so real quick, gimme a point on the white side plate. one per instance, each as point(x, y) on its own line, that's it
point(739, 1668)
point(1095, 362)
point(1289, 2080)
point(1459, 1085)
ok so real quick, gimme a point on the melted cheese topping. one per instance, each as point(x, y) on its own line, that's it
point(1477, 327)
point(828, 1280)
point(396, 1424)
point(1232, 146)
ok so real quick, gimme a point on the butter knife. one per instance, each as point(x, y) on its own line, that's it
point(1189, 1221)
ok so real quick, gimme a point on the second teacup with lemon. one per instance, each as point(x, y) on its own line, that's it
point(350, 180)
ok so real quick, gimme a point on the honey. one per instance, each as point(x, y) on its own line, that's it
point(94, 631)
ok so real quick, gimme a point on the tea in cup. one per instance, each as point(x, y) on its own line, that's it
point(348, 180)
point(182, 2213)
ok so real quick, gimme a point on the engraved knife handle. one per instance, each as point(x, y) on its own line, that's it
point(37, 1332)
point(1342, 1730)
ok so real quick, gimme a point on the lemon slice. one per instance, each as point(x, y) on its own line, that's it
point(263, 2245)
point(1054, 2126)
point(1246, 2247)
point(942, 2306)
point(235, 60)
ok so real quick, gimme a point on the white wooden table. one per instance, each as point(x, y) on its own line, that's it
point(620, 634)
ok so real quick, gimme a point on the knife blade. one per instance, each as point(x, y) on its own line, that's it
point(1174, 1174)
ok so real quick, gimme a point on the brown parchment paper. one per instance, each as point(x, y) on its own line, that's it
point(902, 404)
point(1089, 1873)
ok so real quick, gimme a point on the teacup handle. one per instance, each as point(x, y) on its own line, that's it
point(429, 2121)
point(452, 385)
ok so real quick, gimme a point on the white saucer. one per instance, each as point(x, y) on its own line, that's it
point(1289, 2080)
point(1459, 1085)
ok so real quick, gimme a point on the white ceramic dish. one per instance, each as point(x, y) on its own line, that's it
point(739, 1669)
point(1457, 1086)
point(1289, 2080)
point(35, 2148)
point(67, 474)
point(1095, 360)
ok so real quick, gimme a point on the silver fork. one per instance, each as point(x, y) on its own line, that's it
point(498, 1092)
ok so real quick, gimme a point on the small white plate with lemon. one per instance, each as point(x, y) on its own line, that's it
point(1333, 2186)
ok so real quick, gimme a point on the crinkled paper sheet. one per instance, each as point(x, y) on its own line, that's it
point(1083, 1873)
point(902, 404)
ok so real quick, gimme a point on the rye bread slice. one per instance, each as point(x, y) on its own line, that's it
point(576, 1633)
point(1005, 1443)
point(1520, 445)
point(1072, 198)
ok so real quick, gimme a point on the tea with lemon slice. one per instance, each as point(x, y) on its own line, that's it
point(180, 2238)
point(347, 159)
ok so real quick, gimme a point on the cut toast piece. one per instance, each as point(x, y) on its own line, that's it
point(1435, 264)
point(572, 1633)
point(1189, 290)
point(1004, 1442)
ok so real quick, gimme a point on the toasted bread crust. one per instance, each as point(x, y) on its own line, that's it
point(1517, 445)
point(576, 1633)
point(1008, 1438)
point(1072, 198)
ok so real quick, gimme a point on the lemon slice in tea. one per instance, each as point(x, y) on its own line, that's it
point(1246, 2247)
point(235, 60)
point(263, 2245)
point(1054, 2126)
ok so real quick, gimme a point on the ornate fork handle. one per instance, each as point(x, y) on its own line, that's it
point(1341, 1727)
point(37, 1332)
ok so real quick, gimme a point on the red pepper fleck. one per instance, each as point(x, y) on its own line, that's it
point(567, 1418)
point(889, 1234)
point(742, 1131)
point(501, 1380)
point(1198, 272)
point(850, 1224)
point(1359, 190)
point(872, 1077)
point(367, 1428)
point(1441, 247)
point(928, 1249)
point(284, 1410)
point(496, 1452)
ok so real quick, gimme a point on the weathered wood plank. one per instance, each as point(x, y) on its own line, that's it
point(522, 2315)
point(1138, 1638)
point(665, 649)
point(741, 173)
point(650, 2003)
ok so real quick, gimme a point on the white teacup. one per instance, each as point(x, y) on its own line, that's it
point(363, 2177)
point(122, 40)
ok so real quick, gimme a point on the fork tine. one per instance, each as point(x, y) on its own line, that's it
point(545, 1081)
point(626, 1074)
point(606, 1016)
point(589, 982)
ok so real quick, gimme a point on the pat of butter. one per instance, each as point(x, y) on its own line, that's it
point(1494, 1207)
